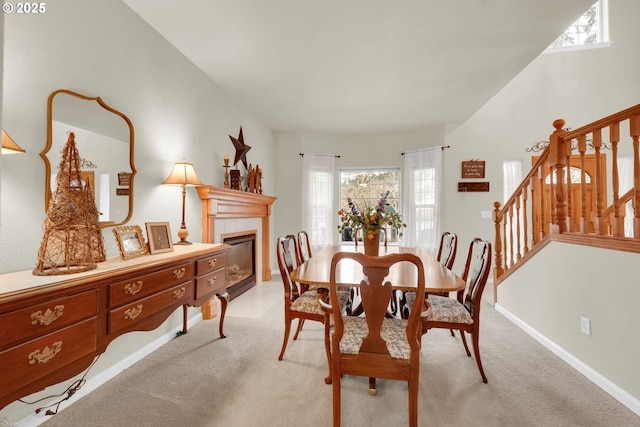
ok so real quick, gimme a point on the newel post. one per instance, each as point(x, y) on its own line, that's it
point(557, 163)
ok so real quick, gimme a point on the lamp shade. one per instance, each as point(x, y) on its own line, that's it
point(9, 146)
point(183, 173)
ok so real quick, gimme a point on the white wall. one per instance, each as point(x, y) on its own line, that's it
point(102, 48)
point(564, 282)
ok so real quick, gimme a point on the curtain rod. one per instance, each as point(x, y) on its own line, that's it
point(323, 155)
point(442, 147)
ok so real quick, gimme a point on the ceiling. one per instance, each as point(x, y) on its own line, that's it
point(360, 66)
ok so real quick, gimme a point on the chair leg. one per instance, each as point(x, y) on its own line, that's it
point(464, 341)
point(327, 350)
point(476, 351)
point(299, 328)
point(287, 330)
point(372, 386)
point(413, 401)
point(336, 394)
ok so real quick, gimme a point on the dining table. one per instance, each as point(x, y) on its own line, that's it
point(403, 276)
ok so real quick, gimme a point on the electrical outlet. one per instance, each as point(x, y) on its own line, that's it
point(585, 325)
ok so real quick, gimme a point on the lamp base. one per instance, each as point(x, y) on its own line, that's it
point(183, 242)
point(182, 234)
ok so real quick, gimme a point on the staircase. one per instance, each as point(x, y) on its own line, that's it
point(540, 210)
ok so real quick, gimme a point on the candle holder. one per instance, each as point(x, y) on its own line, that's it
point(226, 172)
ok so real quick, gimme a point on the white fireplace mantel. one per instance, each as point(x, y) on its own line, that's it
point(224, 203)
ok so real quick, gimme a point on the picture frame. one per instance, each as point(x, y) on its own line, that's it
point(130, 241)
point(159, 236)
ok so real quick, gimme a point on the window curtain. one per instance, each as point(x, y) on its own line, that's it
point(421, 206)
point(318, 214)
point(625, 173)
point(512, 177)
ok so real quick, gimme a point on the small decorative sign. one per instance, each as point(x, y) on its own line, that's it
point(122, 191)
point(123, 178)
point(235, 179)
point(473, 169)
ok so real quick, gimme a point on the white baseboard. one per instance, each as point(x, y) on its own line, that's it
point(94, 382)
point(598, 379)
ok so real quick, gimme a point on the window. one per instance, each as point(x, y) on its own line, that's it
point(421, 211)
point(365, 186)
point(589, 30)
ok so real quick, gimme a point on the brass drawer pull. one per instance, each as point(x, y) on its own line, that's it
point(45, 355)
point(213, 262)
point(133, 288)
point(48, 317)
point(179, 273)
point(179, 293)
point(211, 281)
point(134, 312)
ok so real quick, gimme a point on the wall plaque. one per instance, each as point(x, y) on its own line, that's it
point(464, 187)
point(473, 169)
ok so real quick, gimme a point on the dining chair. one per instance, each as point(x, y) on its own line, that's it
point(304, 246)
point(300, 302)
point(463, 312)
point(374, 345)
point(446, 256)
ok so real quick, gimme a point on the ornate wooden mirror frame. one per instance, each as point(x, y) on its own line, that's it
point(113, 192)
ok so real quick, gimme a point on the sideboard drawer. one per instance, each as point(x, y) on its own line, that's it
point(214, 262)
point(128, 315)
point(211, 283)
point(40, 357)
point(141, 286)
point(41, 319)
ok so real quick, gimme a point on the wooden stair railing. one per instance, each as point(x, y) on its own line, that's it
point(519, 230)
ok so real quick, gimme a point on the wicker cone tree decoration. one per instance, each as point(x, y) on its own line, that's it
point(72, 240)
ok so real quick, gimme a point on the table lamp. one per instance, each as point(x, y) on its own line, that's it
point(9, 146)
point(183, 174)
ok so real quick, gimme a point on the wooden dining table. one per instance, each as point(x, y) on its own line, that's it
point(403, 276)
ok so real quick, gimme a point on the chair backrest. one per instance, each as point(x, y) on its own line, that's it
point(287, 254)
point(476, 273)
point(304, 246)
point(447, 249)
point(376, 294)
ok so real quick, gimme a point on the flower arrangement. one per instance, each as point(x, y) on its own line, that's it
point(370, 219)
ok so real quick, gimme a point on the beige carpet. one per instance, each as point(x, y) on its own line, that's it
point(201, 380)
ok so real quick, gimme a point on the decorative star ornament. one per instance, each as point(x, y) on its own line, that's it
point(241, 149)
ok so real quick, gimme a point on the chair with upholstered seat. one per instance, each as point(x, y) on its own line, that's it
point(463, 312)
point(376, 346)
point(446, 256)
point(299, 302)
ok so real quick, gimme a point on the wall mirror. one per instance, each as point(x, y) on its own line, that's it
point(104, 139)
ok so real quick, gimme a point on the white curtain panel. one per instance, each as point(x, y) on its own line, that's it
point(318, 213)
point(421, 193)
point(512, 177)
point(625, 173)
point(512, 172)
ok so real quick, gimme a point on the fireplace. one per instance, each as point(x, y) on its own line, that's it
point(241, 263)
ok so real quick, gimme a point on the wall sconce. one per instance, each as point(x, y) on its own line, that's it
point(183, 174)
point(9, 146)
